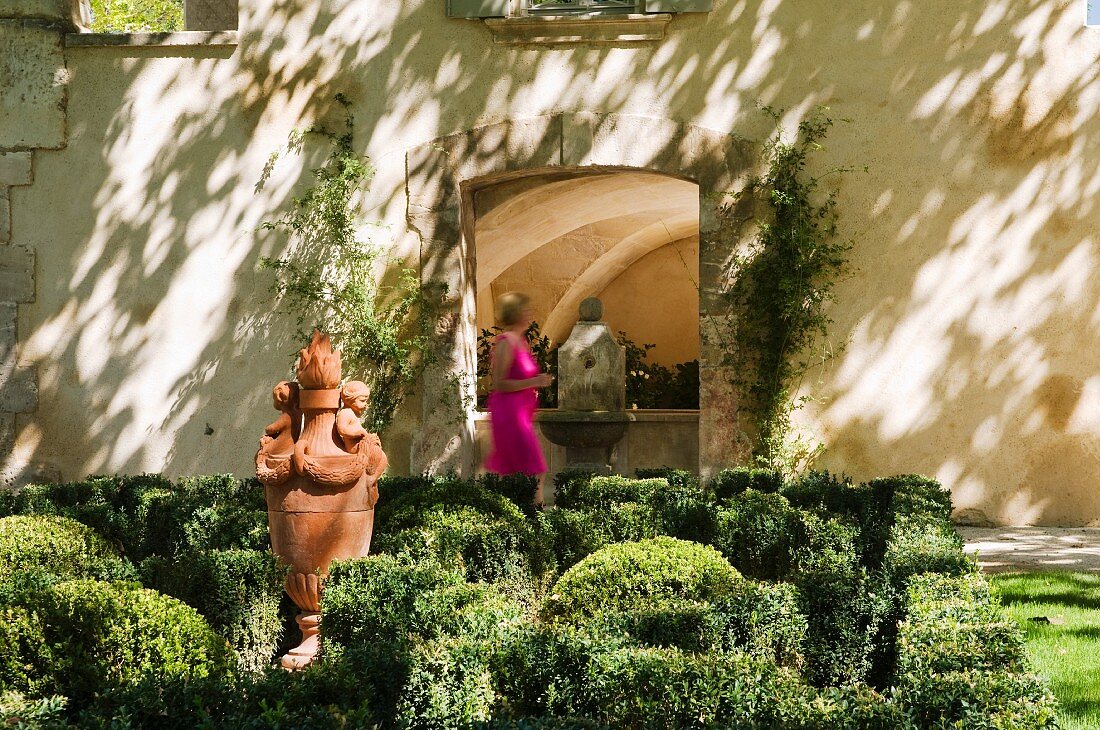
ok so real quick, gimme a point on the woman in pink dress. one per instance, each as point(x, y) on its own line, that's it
point(512, 402)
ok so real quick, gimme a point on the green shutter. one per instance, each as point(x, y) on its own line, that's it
point(678, 6)
point(477, 8)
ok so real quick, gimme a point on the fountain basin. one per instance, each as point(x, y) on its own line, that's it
point(583, 429)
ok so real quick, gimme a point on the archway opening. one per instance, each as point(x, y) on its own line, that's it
point(627, 236)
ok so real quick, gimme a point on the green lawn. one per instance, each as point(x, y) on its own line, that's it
point(1066, 654)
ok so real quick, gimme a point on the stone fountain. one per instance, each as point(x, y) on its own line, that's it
point(320, 471)
point(591, 415)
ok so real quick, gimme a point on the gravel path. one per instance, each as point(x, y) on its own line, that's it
point(1033, 549)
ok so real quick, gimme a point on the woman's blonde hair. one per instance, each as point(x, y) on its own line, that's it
point(510, 307)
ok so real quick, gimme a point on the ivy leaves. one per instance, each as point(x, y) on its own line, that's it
point(781, 284)
point(333, 281)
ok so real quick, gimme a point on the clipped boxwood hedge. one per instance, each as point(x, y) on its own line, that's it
point(647, 626)
point(629, 575)
point(760, 619)
point(78, 638)
point(150, 515)
point(464, 525)
point(239, 592)
point(566, 671)
point(729, 483)
point(953, 624)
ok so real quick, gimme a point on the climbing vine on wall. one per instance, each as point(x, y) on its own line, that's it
point(331, 279)
point(780, 285)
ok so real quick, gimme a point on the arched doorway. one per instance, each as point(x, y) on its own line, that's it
point(442, 176)
point(629, 237)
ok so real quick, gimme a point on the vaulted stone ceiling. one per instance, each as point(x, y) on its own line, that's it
point(589, 228)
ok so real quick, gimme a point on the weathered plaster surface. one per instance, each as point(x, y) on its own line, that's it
point(971, 320)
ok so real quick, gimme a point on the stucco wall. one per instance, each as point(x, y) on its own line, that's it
point(971, 318)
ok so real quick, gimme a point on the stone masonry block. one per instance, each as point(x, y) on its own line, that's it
point(5, 214)
point(16, 274)
point(433, 184)
point(67, 13)
point(513, 145)
point(32, 92)
point(436, 169)
point(8, 313)
point(210, 14)
point(19, 392)
point(620, 139)
point(717, 161)
point(15, 168)
point(7, 434)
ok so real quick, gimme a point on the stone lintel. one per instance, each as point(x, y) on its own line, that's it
point(571, 29)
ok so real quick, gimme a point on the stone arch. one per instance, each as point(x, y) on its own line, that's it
point(441, 176)
point(589, 199)
point(609, 266)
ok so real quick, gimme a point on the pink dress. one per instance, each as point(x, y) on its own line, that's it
point(515, 448)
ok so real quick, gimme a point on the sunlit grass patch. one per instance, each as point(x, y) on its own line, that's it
point(1065, 651)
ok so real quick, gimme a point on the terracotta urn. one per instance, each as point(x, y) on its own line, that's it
point(320, 471)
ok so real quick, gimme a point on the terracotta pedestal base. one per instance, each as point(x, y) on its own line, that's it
point(303, 655)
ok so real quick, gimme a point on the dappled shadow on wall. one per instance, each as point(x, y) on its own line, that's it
point(970, 318)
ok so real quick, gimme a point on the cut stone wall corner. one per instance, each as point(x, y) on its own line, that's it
point(33, 116)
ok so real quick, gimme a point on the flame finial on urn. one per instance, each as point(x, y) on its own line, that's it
point(318, 365)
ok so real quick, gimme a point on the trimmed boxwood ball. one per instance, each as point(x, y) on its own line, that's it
point(96, 635)
point(629, 575)
point(57, 546)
